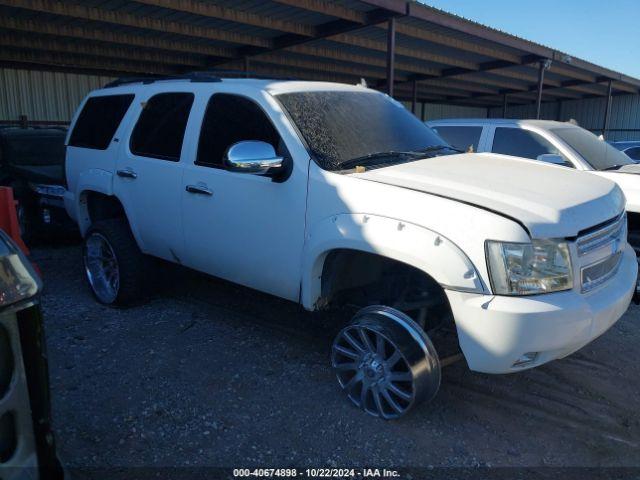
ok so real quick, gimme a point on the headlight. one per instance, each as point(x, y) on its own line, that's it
point(541, 266)
point(18, 280)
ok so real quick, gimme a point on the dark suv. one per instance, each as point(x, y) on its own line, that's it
point(32, 163)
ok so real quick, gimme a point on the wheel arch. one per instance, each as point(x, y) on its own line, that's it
point(95, 205)
point(427, 251)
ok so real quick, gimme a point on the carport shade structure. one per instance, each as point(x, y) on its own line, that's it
point(412, 51)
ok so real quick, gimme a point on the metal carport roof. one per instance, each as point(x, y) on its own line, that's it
point(432, 56)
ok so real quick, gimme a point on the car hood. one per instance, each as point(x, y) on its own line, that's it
point(631, 168)
point(550, 201)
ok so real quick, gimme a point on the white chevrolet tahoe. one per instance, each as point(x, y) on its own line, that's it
point(335, 195)
point(559, 143)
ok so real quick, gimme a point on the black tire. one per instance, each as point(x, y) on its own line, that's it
point(135, 269)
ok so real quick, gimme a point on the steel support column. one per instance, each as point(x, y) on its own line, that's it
point(245, 66)
point(607, 109)
point(391, 53)
point(504, 106)
point(423, 112)
point(543, 65)
point(414, 96)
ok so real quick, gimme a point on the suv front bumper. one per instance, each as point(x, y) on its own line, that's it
point(497, 332)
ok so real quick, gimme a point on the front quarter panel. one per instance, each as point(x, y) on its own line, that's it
point(345, 211)
point(391, 238)
point(629, 183)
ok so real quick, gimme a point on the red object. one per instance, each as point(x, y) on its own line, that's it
point(9, 217)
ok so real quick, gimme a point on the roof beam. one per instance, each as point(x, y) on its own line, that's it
point(459, 84)
point(453, 22)
point(91, 49)
point(456, 43)
point(212, 10)
point(325, 30)
point(108, 36)
point(419, 54)
point(277, 58)
point(331, 30)
point(371, 60)
point(67, 60)
point(333, 9)
point(328, 8)
point(115, 17)
point(625, 87)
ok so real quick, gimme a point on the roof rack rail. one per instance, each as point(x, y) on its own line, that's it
point(246, 74)
point(198, 76)
point(192, 76)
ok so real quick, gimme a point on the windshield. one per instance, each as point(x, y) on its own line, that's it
point(598, 153)
point(340, 126)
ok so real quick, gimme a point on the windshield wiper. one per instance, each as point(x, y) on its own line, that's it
point(363, 160)
point(612, 167)
point(433, 148)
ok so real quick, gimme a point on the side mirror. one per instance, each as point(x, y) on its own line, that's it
point(252, 156)
point(552, 158)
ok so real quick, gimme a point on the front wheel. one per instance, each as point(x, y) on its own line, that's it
point(385, 362)
point(117, 271)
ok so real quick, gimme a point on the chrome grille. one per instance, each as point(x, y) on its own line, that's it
point(601, 253)
point(599, 238)
point(598, 273)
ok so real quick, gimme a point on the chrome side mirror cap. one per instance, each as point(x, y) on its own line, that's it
point(252, 156)
point(552, 158)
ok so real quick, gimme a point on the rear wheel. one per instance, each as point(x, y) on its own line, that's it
point(385, 362)
point(117, 271)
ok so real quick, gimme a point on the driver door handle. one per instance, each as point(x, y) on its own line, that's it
point(198, 189)
point(127, 173)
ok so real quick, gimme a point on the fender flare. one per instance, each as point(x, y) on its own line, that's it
point(424, 249)
point(98, 181)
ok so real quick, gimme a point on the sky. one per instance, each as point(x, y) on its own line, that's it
point(606, 33)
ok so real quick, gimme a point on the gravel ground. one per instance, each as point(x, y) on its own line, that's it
point(211, 374)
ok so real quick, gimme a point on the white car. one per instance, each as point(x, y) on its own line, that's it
point(560, 143)
point(334, 195)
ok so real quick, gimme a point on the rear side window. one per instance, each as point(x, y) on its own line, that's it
point(230, 119)
point(523, 143)
point(99, 120)
point(461, 137)
point(633, 153)
point(160, 129)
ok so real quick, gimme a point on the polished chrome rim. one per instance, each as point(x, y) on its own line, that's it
point(101, 267)
point(373, 372)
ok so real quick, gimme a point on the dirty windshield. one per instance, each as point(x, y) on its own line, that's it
point(342, 128)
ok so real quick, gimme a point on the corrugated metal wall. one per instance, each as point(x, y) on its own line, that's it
point(624, 123)
point(433, 111)
point(43, 95)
